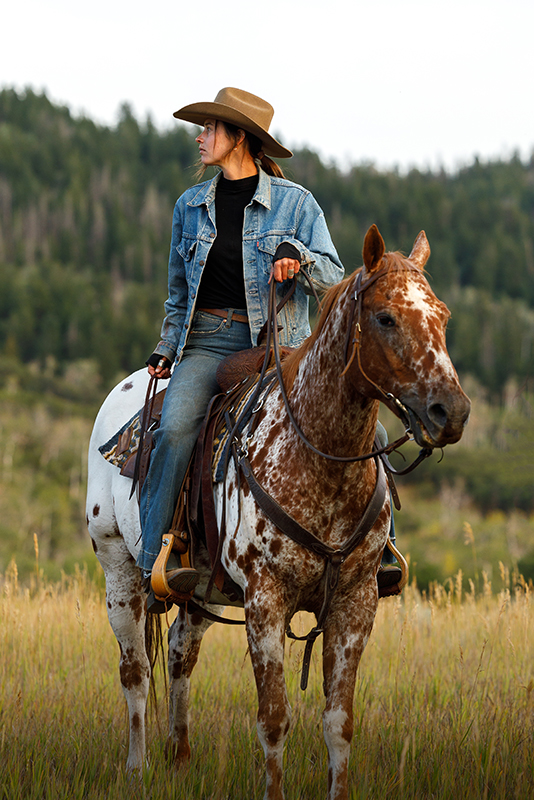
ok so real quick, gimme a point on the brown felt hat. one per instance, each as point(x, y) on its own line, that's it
point(239, 108)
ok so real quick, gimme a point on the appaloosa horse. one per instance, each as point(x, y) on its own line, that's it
point(381, 337)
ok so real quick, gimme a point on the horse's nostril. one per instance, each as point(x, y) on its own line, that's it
point(438, 414)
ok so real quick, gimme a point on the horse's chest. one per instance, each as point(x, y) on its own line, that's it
point(258, 554)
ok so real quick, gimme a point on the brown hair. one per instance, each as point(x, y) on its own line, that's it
point(254, 146)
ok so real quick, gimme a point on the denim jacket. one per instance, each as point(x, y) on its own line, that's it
point(280, 211)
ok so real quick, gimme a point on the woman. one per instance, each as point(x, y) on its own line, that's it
point(231, 236)
point(226, 234)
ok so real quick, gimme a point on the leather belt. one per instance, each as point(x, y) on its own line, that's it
point(220, 312)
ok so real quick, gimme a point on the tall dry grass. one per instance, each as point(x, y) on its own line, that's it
point(444, 703)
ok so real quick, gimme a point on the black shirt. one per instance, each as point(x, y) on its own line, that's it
point(223, 283)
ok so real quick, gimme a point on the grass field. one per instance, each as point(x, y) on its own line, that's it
point(444, 702)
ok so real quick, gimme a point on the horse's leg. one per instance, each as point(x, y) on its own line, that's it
point(126, 609)
point(185, 638)
point(346, 633)
point(266, 635)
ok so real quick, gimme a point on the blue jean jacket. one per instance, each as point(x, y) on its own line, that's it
point(280, 211)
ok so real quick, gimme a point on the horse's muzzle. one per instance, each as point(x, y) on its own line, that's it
point(438, 423)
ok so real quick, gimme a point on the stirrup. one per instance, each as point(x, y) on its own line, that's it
point(186, 577)
point(402, 563)
point(394, 588)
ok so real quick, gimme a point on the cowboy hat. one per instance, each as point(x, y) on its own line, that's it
point(242, 109)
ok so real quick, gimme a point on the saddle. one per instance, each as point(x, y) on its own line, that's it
point(195, 518)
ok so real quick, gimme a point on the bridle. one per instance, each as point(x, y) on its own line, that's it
point(239, 443)
point(334, 557)
point(355, 314)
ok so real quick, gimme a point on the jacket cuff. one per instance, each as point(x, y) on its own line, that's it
point(286, 250)
point(163, 349)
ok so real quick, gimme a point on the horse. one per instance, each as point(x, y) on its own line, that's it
point(380, 337)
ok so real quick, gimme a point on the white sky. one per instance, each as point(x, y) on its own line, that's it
point(395, 82)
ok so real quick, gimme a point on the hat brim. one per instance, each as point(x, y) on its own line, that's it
point(198, 113)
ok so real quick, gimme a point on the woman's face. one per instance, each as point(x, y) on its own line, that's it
point(214, 144)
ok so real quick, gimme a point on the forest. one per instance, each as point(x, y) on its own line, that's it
point(85, 213)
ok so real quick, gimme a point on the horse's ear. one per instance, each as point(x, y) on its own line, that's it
point(373, 248)
point(420, 251)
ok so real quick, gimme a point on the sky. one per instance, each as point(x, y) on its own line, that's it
point(397, 83)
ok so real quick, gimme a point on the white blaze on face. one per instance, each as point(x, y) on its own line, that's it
point(416, 297)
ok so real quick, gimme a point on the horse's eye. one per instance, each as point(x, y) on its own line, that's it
point(385, 320)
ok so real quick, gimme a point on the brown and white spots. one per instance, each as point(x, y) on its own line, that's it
point(275, 546)
point(232, 551)
point(131, 670)
point(137, 605)
point(336, 405)
point(184, 667)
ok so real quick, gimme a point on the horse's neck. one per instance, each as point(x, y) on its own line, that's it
point(334, 416)
point(337, 492)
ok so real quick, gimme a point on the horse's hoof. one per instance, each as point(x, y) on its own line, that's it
point(178, 754)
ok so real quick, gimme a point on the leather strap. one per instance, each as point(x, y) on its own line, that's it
point(196, 609)
point(147, 413)
point(334, 557)
point(288, 525)
point(221, 312)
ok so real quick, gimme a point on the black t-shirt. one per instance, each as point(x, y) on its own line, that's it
point(223, 283)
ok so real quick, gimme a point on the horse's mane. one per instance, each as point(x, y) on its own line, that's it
point(291, 362)
point(393, 260)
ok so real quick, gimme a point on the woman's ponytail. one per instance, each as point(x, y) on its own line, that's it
point(268, 165)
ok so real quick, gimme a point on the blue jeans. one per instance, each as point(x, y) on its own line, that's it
point(192, 385)
point(387, 557)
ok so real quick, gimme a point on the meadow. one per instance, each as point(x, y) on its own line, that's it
point(443, 706)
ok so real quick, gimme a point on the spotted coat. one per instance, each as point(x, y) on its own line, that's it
point(402, 352)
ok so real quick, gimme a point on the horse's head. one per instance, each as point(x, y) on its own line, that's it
point(396, 346)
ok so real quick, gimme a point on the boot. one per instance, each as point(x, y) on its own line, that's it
point(178, 584)
point(388, 578)
point(153, 605)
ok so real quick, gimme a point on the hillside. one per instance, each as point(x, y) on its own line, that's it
point(85, 215)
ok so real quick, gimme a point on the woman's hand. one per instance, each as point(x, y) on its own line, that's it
point(161, 370)
point(284, 269)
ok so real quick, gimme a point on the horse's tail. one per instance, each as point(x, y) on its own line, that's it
point(155, 653)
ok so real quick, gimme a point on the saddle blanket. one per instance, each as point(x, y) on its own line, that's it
point(125, 442)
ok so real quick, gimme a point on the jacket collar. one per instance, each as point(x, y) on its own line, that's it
point(206, 192)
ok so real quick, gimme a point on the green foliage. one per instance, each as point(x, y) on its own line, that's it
point(85, 214)
point(494, 465)
point(43, 473)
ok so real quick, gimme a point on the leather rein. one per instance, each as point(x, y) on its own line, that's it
point(392, 402)
point(334, 557)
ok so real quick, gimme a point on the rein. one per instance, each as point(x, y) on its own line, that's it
point(393, 403)
point(147, 414)
point(278, 516)
point(334, 557)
